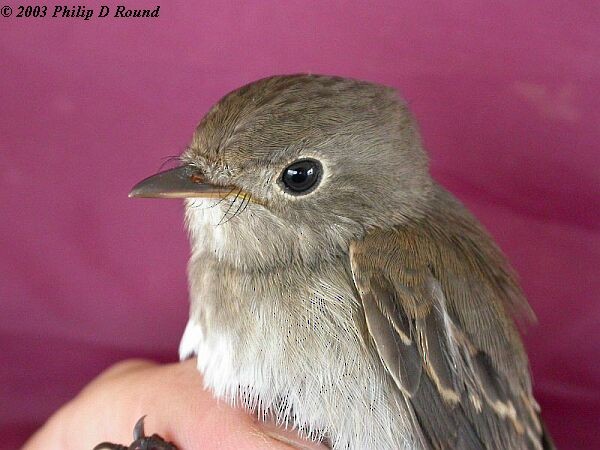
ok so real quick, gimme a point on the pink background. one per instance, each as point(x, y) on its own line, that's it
point(507, 99)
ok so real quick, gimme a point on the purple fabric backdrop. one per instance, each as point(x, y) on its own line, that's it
point(507, 99)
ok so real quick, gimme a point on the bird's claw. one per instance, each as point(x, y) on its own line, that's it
point(140, 441)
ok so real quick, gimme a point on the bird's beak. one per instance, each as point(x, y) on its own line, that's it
point(180, 182)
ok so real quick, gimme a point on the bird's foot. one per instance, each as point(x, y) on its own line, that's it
point(140, 441)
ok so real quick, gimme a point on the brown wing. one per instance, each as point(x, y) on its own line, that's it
point(437, 297)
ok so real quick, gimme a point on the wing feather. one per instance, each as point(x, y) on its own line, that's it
point(437, 306)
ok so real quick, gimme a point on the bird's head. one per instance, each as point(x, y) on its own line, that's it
point(291, 168)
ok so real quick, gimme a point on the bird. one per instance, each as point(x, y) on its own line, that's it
point(335, 286)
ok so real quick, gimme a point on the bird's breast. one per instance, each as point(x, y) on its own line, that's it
point(290, 342)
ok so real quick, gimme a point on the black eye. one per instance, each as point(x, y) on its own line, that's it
point(301, 176)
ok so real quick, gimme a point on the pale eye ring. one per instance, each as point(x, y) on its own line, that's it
point(302, 176)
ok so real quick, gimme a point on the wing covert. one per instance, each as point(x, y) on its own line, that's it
point(460, 391)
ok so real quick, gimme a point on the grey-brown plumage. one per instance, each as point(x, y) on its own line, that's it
point(453, 292)
point(336, 286)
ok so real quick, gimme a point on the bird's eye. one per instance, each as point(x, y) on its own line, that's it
point(301, 176)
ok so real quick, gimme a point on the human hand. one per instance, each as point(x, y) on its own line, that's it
point(176, 405)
